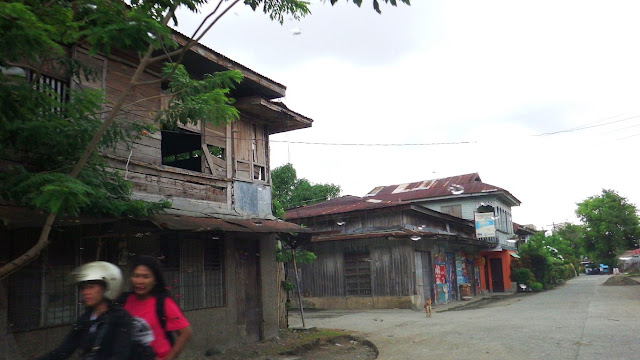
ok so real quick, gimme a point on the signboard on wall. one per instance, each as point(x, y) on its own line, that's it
point(485, 225)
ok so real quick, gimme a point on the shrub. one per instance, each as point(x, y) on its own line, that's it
point(522, 276)
point(536, 286)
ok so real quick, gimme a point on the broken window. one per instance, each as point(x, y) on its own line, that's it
point(182, 149)
point(215, 139)
point(357, 273)
point(250, 151)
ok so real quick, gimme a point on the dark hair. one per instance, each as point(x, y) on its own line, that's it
point(160, 288)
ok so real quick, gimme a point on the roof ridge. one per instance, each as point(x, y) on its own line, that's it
point(474, 175)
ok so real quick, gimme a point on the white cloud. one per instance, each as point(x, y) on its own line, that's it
point(494, 72)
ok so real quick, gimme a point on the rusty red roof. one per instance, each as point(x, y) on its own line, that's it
point(190, 223)
point(449, 187)
point(339, 205)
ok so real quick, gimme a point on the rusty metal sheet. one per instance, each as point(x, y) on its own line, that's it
point(191, 223)
point(267, 226)
point(19, 217)
point(435, 188)
point(343, 204)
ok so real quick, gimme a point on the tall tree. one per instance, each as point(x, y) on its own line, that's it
point(574, 235)
point(52, 142)
point(289, 191)
point(611, 226)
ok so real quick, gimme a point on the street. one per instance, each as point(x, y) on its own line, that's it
point(579, 320)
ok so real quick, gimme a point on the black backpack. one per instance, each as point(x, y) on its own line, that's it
point(122, 299)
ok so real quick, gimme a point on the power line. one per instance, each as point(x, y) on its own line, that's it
point(373, 144)
point(586, 127)
point(590, 125)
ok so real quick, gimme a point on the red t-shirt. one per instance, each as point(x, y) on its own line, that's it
point(146, 310)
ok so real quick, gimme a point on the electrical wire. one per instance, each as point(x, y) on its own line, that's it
point(586, 127)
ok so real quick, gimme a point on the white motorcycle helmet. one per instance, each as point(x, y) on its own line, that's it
point(101, 271)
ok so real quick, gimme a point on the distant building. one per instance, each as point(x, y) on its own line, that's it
point(464, 196)
point(386, 254)
point(400, 244)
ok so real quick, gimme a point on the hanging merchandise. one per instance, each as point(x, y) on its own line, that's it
point(441, 289)
point(451, 277)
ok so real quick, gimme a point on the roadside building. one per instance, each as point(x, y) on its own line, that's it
point(217, 241)
point(523, 233)
point(386, 254)
point(465, 196)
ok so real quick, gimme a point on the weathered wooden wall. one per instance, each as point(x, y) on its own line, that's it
point(392, 267)
point(354, 223)
point(243, 142)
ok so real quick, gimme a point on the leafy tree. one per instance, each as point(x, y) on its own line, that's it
point(611, 226)
point(289, 191)
point(550, 258)
point(52, 143)
point(574, 235)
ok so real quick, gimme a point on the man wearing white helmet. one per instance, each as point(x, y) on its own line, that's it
point(103, 331)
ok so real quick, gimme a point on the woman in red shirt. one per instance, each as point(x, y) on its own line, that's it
point(149, 289)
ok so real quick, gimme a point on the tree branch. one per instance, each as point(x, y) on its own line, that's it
point(32, 253)
point(43, 241)
point(194, 40)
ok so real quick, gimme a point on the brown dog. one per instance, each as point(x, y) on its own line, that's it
point(427, 307)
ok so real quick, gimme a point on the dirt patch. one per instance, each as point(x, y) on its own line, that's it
point(318, 344)
point(338, 348)
point(620, 281)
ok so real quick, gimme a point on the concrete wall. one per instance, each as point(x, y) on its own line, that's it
point(355, 302)
point(270, 283)
point(506, 269)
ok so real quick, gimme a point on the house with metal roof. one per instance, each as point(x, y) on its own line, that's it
point(465, 196)
point(374, 253)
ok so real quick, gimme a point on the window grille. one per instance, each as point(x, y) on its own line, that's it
point(214, 272)
point(58, 88)
point(192, 274)
point(42, 294)
point(357, 273)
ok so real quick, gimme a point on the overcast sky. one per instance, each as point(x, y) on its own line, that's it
point(493, 73)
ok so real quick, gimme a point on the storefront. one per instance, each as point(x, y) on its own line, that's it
point(495, 272)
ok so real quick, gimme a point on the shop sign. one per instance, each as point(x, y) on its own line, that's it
point(485, 225)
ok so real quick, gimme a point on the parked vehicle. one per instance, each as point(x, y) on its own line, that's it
point(591, 269)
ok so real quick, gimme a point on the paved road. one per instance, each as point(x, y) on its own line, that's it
point(579, 320)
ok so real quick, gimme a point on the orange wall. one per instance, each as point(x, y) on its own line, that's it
point(485, 284)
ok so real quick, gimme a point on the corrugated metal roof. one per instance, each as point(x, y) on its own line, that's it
point(16, 217)
point(191, 223)
point(339, 205)
point(460, 185)
point(398, 233)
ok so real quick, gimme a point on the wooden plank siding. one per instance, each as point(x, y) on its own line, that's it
point(392, 268)
point(325, 276)
point(174, 182)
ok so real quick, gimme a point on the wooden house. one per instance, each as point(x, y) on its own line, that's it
point(386, 254)
point(217, 241)
point(464, 196)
